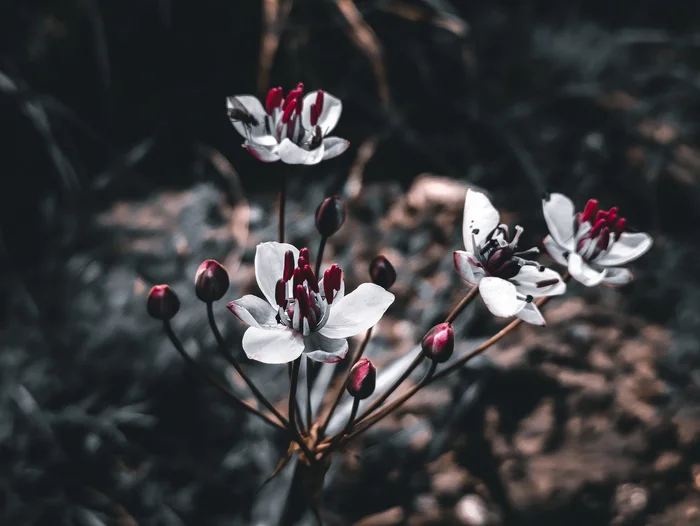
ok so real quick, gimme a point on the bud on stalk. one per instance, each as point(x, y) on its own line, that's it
point(439, 343)
point(362, 379)
point(211, 281)
point(162, 303)
point(330, 216)
point(382, 272)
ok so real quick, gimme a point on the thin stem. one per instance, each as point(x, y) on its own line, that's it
point(293, 391)
point(319, 256)
point(234, 363)
point(379, 401)
point(282, 207)
point(337, 438)
point(309, 386)
point(207, 376)
point(339, 395)
point(462, 305)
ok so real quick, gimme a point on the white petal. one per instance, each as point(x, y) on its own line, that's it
point(500, 297)
point(322, 349)
point(269, 266)
point(254, 311)
point(290, 153)
point(357, 312)
point(465, 267)
point(583, 273)
point(531, 314)
point(480, 218)
point(330, 114)
point(617, 276)
point(276, 345)
point(555, 251)
point(628, 248)
point(256, 133)
point(559, 213)
point(334, 146)
point(527, 280)
point(266, 154)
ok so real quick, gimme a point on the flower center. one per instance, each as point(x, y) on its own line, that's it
point(302, 305)
point(597, 230)
point(283, 114)
point(499, 257)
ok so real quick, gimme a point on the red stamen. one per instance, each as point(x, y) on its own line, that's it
point(314, 114)
point(621, 227)
point(601, 215)
point(612, 215)
point(598, 225)
point(274, 99)
point(298, 277)
point(328, 289)
point(281, 293)
point(604, 238)
point(319, 101)
point(304, 253)
point(303, 298)
point(310, 278)
point(288, 111)
point(336, 276)
point(300, 87)
point(288, 271)
point(589, 210)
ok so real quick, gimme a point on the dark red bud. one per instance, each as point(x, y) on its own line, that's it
point(439, 343)
point(382, 272)
point(211, 281)
point(288, 271)
point(162, 303)
point(281, 293)
point(589, 210)
point(330, 216)
point(362, 379)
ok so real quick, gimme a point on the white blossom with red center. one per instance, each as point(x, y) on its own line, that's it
point(508, 282)
point(593, 244)
point(302, 315)
point(292, 129)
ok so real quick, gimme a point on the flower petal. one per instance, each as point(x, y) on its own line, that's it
point(629, 247)
point(274, 345)
point(555, 251)
point(322, 349)
point(252, 105)
point(464, 265)
point(266, 154)
point(584, 273)
point(617, 276)
point(330, 114)
point(333, 147)
point(253, 311)
point(357, 311)
point(531, 314)
point(500, 297)
point(480, 218)
point(290, 153)
point(559, 214)
point(538, 282)
point(269, 267)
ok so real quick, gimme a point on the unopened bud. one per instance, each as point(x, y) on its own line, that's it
point(330, 216)
point(211, 281)
point(439, 343)
point(162, 303)
point(362, 379)
point(382, 272)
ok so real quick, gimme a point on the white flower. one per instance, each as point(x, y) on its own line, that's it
point(592, 245)
point(300, 314)
point(507, 282)
point(292, 128)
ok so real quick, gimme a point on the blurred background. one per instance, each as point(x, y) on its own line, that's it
point(120, 170)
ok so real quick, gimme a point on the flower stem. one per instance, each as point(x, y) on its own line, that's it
point(293, 391)
point(282, 207)
point(209, 377)
point(452, 316)
point(234, 363)
point(339, 394)
point(319, 256)
point(309, 386)
point(339, 437)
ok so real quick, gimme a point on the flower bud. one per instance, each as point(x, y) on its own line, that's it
point(162, 303)
point(362, 379)
point(330, 216)
point(382, 272)
point(211, 281)
point(439, 343)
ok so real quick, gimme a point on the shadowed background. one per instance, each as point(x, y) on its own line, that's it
point(120, 170)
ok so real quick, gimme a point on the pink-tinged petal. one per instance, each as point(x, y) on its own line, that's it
point(333, 147)
point(290, 153)
point(275, 345)
point(253, 311)
point(262, 153)
point(534, 282)
point(465, 267)
point(617, 276)
point(330, 113)
point(584, 273)
point(555, 251)
point(559, 214)
point(629, 247)
point(531, 314)
point(357, 311)
point(500, 297)
point(269, 267)
point(480, 218)
point(322, 349)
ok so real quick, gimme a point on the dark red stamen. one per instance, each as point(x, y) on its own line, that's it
point(314, 114)
point(288, 111)
point(328, 289)
point(621, 226)
point(274, 99)
point(303, 262)
point(304, 253)
point(298, 277)
point(589, 210)
point(604, 238)
point(303, 297)
point(319, 101)
point(281, 293)
point(310, 278)
point(546, 283)
point(288, 266)
point(601, 215)
point(612, 215)
point(597, 226)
